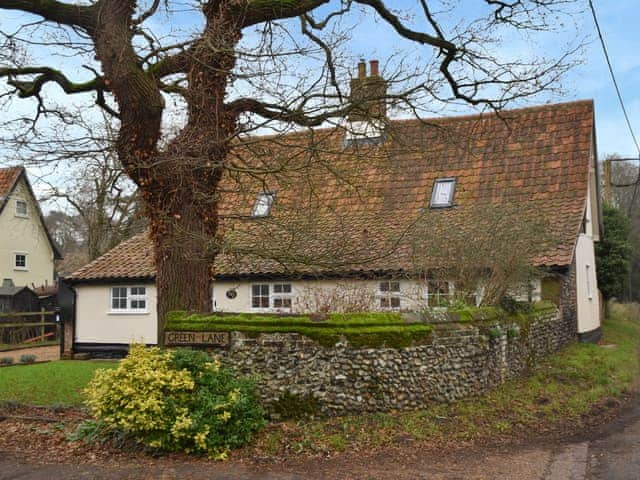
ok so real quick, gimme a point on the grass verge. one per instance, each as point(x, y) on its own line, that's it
point(560, 394)
point(48, 384)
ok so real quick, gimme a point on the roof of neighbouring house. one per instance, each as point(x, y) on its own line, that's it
point(366, 210)
point(9, 178)
point(9, 289)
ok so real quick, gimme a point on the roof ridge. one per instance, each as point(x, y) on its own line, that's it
point(465, 116)
point(487, 114)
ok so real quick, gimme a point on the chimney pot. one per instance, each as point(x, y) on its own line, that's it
point(374, 68)
point(362, 69)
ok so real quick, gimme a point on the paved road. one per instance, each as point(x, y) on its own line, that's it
point(612, 453)
point(616, 453)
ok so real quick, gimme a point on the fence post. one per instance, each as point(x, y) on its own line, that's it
point(42, 328)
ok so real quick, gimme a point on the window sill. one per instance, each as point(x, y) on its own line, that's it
point(270, 310)
point(17, 215)
point(128, 312)
point(437, 206)
point(20, 269)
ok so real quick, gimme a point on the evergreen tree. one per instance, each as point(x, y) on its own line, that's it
point(613, 252)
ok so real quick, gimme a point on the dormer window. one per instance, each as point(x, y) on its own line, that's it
point(263, 204)
point(21, 208)
point(364, 133)
point(443, 191)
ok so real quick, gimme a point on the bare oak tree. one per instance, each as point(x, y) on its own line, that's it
point(243, 65)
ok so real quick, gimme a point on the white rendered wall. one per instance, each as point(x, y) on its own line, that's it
point(24, 235)
point(95, 323)
point(586, 285)
point(315, 295)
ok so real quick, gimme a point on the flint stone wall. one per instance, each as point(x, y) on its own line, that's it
point(460, 361)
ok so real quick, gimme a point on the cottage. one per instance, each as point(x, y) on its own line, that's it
point(27, 251)
point(372, 224)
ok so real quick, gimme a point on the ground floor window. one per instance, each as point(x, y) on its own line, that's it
point(588, 276)
point(282, 295)
point(438, 293)
point(389, 295)
point(277, 296)
point(260, 295)
point(129, 299)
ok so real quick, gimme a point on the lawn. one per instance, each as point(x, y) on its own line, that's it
point(557, 394)
point(48, 384)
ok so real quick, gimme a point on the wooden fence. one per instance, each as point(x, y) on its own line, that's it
point(25, 328)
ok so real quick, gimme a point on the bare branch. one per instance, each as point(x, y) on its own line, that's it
point(54, 11)
point(30, 88)
point(259, 11)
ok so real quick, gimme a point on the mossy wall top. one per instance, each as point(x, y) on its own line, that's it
point(361, 330)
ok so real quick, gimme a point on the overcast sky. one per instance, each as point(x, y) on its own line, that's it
point(589, 80)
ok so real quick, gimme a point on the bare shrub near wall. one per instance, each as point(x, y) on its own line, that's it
point(493, 253)
point(344, 297)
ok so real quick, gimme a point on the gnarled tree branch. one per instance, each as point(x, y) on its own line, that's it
point(81, 16)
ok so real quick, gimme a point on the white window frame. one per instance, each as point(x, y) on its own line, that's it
point(26, 261)
point(440, 181)
point(129, 299)
point(265, 199)
point(282, 295)
point(589, 289)
point(271, 296)
point(389, 295)
point(428, 295)
point(26, 208)
point(262, 295)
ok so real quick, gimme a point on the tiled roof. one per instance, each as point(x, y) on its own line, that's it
point(347, 212)
point(132, 259)
point(8, 178)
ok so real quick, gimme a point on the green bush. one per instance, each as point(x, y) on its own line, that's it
point(513, 306)
point(5, 361)
point(613, 252)
point(178, 400)
point(27, 358)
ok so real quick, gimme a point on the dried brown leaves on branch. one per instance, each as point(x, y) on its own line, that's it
point(232, 67)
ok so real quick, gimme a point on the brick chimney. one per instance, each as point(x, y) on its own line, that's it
point(368, 93)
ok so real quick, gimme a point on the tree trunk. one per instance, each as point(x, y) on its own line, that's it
point(183, 225)
point(179, 185)
point(184, 255)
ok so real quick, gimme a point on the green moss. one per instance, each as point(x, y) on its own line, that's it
point(513, 332)
point(361, 330)
point(495, 332)
point(292, 406)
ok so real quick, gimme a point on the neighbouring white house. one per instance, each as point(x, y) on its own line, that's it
point(27, 251)
point(369, 234)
